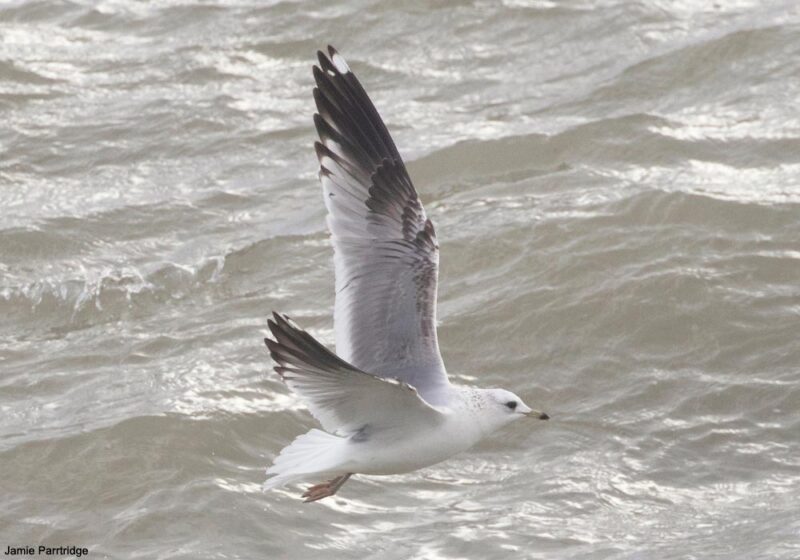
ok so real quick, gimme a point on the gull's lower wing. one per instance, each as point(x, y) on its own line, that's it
point(385, 248)
point(343, 398)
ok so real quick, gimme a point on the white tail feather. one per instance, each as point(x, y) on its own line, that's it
point(313, 453)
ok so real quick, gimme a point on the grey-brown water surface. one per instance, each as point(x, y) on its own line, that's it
point(616, 191)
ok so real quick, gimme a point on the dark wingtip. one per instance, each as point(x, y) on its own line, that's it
point(277, 325)
point(544, 416)
point(280, 318)
point(332, 51)
point(319, 100)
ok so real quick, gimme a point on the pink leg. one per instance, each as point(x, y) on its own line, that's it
point(325, 489)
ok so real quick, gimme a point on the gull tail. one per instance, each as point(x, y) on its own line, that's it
point(311, 454)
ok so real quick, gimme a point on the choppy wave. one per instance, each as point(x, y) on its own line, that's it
point(615, 191)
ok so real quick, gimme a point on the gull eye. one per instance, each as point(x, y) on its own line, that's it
point(511, 404)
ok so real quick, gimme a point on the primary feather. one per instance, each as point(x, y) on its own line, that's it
point(385, 250)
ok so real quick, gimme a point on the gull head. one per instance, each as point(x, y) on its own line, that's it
point(502, 407)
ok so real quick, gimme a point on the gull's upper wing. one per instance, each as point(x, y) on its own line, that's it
point(385, 248)
point(343, 398)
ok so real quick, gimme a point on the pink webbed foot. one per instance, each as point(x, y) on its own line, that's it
point(325, 489)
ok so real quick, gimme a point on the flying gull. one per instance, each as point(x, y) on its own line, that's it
point(384, 400)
